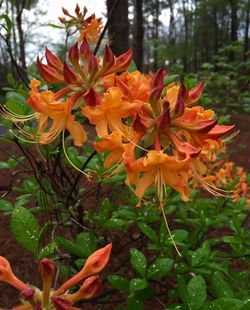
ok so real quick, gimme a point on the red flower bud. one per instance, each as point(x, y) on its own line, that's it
point(46, 267)
point(62, 20)
point(108, 58)
point(61, 303)
point(49, 74)
point(195, 94)
point(77, 9)
point(74, 55)
point(155, 94)
point(92, 64)
point(139, 124)
point(90, 288)
point(121, 63)
point(69, 75)
point(28, 294)
point(178, 108)
point(158, 79)
point(91, 97)
point(53, 61)
point(66, 12)
point(85, 49)
point(183, 92)
point(163, 121)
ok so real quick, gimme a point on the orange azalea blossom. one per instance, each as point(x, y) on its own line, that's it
point(86, 78)
point(108, 115)
point(60, 299)
point(53, 117)
point(159, 169)
point(172, 131)
point(89, 27)
point(223, 174)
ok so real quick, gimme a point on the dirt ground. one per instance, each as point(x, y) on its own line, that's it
point(22, 262)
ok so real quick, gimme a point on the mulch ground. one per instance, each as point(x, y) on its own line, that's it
point(23, 263)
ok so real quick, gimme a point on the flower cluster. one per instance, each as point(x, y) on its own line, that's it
point(60, 299)
point(155, 130)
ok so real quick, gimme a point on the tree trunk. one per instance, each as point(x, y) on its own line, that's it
point(138, 34)
point(246, 39)
point(19, 10)
point(118, 29)
point(185, 64)
point(156, 34)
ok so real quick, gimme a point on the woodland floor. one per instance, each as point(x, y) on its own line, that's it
point(22, 262)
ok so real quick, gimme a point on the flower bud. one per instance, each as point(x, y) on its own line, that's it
point(74, 55)
point(49, 74)
point(163, 121)
point(53, 60)
point(90, 288)
point(158, 79)
point(28, 294)
point(178, 108)
point(91, 97)
point(46, 267)
point(108, 58)
point(61, 303)
point(65, 12)
point(69, 75)
point(195, 94)
point(94, 264)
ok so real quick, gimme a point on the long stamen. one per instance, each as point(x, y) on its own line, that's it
point(67, 157)
point(169, 232)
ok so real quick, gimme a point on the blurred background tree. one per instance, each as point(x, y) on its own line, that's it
point(198, 39)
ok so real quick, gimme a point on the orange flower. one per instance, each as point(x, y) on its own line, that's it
point(46, 108)
point(108, 115)
point(159, 169)
point(89, 27)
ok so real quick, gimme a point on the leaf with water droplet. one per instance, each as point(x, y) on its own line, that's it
point(137, 284)
point(138, 261)
point(25, 228)
point(160, 268)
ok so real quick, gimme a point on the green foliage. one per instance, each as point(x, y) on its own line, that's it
point(25, 229)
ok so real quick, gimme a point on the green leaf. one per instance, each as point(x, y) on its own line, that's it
point(4, 165)
point(118, 282)
point(134, 302)
point(246, 305)
point(160, 268)
point(138, 261)
point(115, 223)
point(137, 284)
point(69, 246)
point(179, 235)
point(200, 256)
point(182, 289)
point(220, 287)
point(132, 67)
point(6, 206)
point(170, 79)
point(197, 292)
point(8, 22)
point(225, 303)
point(87, 241)
point(55, 26)
point(48, 251)
point(149, 232)
point(25, 228)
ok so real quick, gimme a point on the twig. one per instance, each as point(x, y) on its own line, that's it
point(105, 27)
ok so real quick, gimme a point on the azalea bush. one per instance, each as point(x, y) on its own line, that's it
point(109, 154)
